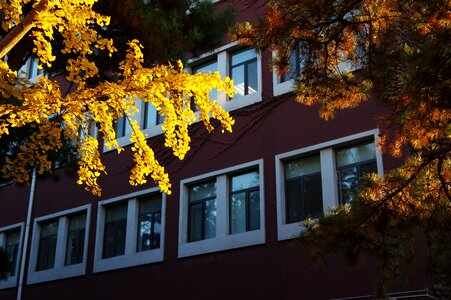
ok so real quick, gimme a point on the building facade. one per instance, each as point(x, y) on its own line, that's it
point(228, 229)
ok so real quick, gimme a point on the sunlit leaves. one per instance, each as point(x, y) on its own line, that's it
point(57, 116)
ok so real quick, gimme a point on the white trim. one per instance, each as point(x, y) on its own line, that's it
point(11, 281)
point(223, 240)
point(59, 270)
point(328, 177)
point(280, 88)
point(131, 257)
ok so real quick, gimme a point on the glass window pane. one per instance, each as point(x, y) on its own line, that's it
point(12, 240)
point(202, 191)
point(293, 201)
point(195, 224)
point(238, 213)
point(47, 245)
point(303, 166)
point(313, 206)
point(245, 181)
point(116, 212)
point(150, 115)
point(210, 219)
point(356, 154)
point(254, 210)
point(252, 80)
point(115, 230)
point(237, 74)
point(348, 183)
point(242, 56)
point(150, 204)
point(75, 239)
point(149, 223)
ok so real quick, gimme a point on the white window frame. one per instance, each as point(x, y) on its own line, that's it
point(59, 270)
point(11, 281)
point(223, 240)
point(131, 257)
point(222, 55)
point(280, 88)
point(326, 151)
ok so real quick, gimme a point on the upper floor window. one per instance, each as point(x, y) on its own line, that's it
point(242, 65)
point(151, 116)
point(122, 127)
point(59, 245)
point(222, 210)
point(285, 83)
point(243, 71)
point(313, 179)
point(10, 242)
point(130, 230)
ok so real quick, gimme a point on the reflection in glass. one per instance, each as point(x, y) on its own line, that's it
point(149, 223)
point(353, 163)
point(47, 245)
point(303, 189)
point(202, 211)
point(243, 71)
point(75, 239)
point(12, 239)
point(115, 230)
point(245, 202)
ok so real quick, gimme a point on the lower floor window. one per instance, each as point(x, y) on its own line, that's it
point(222, 210)
point(149, 223)
point(202, 211)
point(12, 240)
point(303, 190)
point(115, 230)
point(59, 245)
point(353, 163)
point(47, 245)
point(245, 202)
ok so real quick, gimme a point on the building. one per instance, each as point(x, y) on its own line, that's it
point(227, 231)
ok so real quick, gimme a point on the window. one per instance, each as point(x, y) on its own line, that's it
point(47, 245)
point(243, 71)
point(245, 202)
point(149, 223)
point(242, 65)
point(33, 69)
point(115, 230)
point(202, 211)
point(286, 83)
point(151, 116)
point(130, 230)
point(11, 243)
point(75, 239)
point(313, 179)
point(303, 189)
point(353, 163)
point(222, 210)
point(59, 245)
point(122, 127)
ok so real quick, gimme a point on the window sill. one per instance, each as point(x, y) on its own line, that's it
point(130, 260)
point(56, 273)
point(125, 140)
point(233, 241)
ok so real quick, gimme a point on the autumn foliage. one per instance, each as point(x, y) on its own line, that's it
point(54, 117)
point(398, 53)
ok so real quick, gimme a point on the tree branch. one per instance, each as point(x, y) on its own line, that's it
point(21, 29)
